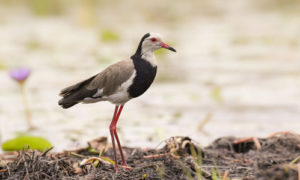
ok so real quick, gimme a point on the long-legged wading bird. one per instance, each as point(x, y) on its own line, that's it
point(118, 83)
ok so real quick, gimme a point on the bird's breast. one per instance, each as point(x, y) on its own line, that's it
point(145, 74)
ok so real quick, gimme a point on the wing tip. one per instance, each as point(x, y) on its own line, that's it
point(64, 104)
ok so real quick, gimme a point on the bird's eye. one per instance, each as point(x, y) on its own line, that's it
point(153, 39)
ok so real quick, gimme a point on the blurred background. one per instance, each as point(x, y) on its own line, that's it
point(236, 70)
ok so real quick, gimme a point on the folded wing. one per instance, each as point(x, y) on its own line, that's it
point(98, 86)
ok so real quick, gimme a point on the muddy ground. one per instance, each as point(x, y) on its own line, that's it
point(269, 158)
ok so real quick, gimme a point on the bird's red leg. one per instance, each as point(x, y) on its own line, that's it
point(117, 138)
point(112, 129)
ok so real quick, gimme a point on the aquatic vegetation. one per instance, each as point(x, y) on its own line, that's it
point(109, 36)
point(216, 94)
point(24, 141)
point(20, 75)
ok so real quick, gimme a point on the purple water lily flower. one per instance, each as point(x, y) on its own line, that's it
point(20, 74)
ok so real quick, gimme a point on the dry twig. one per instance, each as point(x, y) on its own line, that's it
point(86, 161)
point(3, 170)
point(254, 139)
point(298, 171)
point(225, 176)
point(280, 133)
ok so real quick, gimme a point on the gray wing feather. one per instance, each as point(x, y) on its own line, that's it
point(68, 90)
point(112, 77)
point(107, 82)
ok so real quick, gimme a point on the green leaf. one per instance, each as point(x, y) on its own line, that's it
point(23, 141)
point(215, 175)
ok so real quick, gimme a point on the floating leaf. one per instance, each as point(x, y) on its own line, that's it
point(216, 94)
point(23, 141)
point(109, 36)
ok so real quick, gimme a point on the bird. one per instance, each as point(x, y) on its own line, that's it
point(118, 83)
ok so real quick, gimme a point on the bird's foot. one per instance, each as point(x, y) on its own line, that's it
point(254, 139)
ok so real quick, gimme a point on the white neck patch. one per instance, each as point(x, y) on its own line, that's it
point(149, 56)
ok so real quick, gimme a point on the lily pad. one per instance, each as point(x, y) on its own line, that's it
point(23, 141)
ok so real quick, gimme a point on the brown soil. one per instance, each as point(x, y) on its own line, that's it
point(180, 158)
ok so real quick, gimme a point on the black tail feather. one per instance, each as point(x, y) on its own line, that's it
point(76, 97)
point(76, 93)
point(66, 104)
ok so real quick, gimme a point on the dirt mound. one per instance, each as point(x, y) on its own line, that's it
point(271, 159)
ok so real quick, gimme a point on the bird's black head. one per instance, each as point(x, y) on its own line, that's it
point(151, 42)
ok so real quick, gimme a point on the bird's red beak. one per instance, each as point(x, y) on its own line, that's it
point(166, 46)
